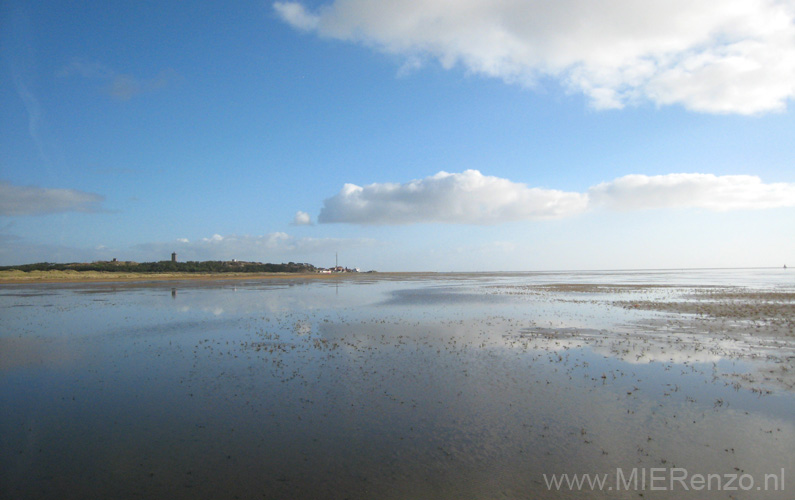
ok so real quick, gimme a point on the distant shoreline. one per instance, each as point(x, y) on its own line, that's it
point(29, 277)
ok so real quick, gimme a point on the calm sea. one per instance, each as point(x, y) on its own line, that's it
point(406, 387)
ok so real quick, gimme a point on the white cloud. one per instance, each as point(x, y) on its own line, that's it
point(32, 200)
point(473, 198)
point(732, 56)
point(216, 238)
point(465, 198)
point(271, 247)
point(296, 15)
point(301, 219)
point(711, 192)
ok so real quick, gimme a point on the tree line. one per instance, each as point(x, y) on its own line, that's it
point(167, 266)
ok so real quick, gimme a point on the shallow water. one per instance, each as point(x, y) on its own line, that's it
point(424, 386)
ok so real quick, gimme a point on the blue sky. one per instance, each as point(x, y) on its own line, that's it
point(438, 136)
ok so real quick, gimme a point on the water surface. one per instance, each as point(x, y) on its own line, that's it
point(422, 386)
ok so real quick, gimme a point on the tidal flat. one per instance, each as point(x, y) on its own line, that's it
point(402, 386)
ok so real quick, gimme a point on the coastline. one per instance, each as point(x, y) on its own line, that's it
point(23, 278)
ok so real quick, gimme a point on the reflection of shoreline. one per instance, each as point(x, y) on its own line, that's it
point(21, 278)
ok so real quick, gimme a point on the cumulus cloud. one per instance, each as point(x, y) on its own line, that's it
point(32, 200)
point(271, 247)
point(473, 198)
point(296, 15)
point(733, 56)
point(301, 219)
point(467, 198)
point(711, 192)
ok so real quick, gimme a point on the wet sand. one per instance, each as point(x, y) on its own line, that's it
point(770, 312)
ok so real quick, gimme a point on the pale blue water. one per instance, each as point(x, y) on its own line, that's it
point(442, 386)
